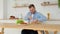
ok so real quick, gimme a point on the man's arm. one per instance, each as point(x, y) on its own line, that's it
point(41, 17)
point(27, 17)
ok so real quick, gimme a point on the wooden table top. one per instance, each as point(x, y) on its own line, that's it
point(48, 27)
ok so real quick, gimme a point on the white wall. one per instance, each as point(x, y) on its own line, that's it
point(54, 10)
point(5, 9)
point(1, 9)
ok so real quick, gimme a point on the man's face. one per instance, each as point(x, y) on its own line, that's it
point(32, 10)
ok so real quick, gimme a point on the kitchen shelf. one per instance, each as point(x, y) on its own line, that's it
point(20, 6)
point(48, 4)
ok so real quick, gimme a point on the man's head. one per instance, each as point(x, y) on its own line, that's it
point(32, 8)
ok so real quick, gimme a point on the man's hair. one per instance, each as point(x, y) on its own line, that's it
point(31, 5)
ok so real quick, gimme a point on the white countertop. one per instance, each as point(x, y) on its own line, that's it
point(7, 21)
point(14, 21)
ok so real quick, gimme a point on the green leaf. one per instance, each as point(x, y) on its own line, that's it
point(19, 21)
point(59, 3)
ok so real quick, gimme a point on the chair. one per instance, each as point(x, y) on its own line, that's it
point(48, 17)
point(2, 32)
point(55, 32)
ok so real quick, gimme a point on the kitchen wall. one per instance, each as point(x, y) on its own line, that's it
point(8, 10)
point(1, 9)
point(53, 10)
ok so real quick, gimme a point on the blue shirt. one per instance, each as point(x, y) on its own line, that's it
point(36, 15)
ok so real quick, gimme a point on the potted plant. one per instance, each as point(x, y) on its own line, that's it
point(59, 3)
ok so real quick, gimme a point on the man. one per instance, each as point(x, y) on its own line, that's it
point(33, 17)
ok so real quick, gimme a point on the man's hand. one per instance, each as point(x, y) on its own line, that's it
point(30, 17)
point(34, 21)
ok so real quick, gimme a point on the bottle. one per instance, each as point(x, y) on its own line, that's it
point(21, 17)
point(48, 16)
